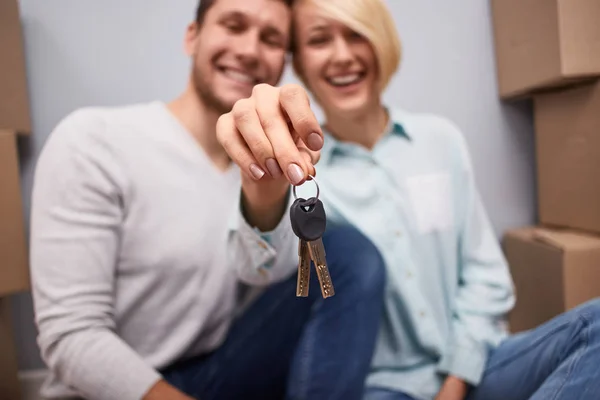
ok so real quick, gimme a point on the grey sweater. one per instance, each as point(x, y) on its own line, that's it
point(137, 249)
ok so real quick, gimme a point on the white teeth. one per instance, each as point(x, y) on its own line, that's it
point(238, 76)
point(345, 80)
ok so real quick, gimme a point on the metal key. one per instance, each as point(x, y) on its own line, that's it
point(308, 223)
point(317, 254)
point(303, 269)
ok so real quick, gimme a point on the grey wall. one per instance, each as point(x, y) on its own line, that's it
point(113, 51)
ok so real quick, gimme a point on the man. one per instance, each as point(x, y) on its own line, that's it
point(139, 251)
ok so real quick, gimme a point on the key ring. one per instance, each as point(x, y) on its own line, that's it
point(316, 184)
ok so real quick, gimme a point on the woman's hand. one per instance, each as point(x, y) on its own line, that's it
point(453, 389)
point(275, 139)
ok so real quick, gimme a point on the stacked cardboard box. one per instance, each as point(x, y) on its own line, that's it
point(9, 381)
point(14, 122)
point(549, 51)
point(14, 98)
point(14, 275)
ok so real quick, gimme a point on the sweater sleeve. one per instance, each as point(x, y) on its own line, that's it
point(75, 218)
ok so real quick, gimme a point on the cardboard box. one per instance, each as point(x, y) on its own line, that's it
point(553, 270)
point(543, 44)
point(567, 125)
point(14, 269)
point(14, 96)
point(9, 381)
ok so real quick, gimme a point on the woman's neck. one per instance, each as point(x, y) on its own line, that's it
point(363, 128)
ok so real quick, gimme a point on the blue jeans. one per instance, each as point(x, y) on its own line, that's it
point(559, 360)
point(285, 347)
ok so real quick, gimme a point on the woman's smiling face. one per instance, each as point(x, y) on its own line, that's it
point(336, 63)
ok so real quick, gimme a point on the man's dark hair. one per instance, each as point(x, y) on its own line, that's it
point(205, 5)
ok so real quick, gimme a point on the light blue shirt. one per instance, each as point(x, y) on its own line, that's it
point(414, 195)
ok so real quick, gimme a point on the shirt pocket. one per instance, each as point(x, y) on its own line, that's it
point(431, 199)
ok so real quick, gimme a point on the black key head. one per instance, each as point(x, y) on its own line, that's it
point(308, 218)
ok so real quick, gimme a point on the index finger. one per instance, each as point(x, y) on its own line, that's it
point(296, 104)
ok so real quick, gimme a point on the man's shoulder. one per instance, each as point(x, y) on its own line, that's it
point(96, 124)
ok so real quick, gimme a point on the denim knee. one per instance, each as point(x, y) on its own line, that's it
point(354, 260)
point(590, 311)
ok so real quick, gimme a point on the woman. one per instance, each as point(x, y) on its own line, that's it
point(406, 181)
point(413, 195)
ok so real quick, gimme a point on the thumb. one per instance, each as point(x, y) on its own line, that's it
point(310, 159)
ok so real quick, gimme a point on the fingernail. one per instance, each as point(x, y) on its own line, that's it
point(315, 142)
point(256, 171)
point(296, 174)
point(273, 167)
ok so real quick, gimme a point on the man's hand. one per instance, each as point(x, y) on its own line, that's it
point(453, 389)
point(275, 139)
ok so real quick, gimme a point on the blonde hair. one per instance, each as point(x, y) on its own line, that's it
point(371, 19)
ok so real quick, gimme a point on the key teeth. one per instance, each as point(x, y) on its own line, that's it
point(326, 284)
point(315, 252)
point(302, 285)
point(303, 278)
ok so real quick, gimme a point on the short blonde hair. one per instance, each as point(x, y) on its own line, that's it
point(371, 19)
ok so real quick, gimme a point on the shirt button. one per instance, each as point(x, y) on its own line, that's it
point(422, 314)
point(409, 275)
point(398, 233)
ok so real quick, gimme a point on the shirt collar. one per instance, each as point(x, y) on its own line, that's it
point(395, 127)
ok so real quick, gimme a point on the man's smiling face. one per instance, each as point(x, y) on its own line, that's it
point(238, 44)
